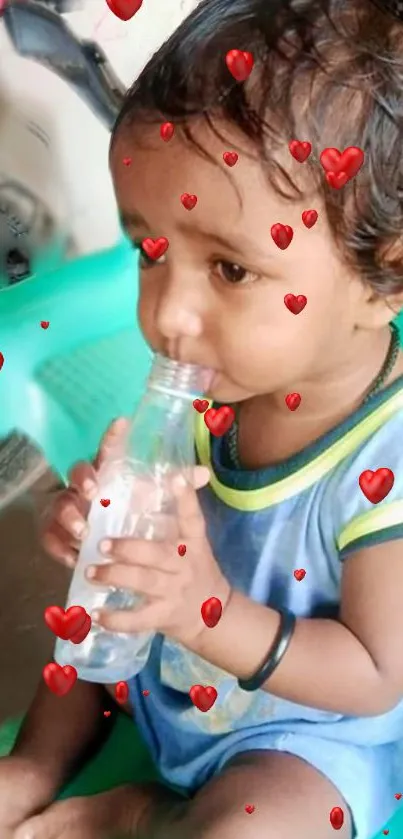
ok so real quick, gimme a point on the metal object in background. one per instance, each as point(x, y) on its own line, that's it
point(39, 33)
point(62, 6)
point(21, 466)
point(25, 228)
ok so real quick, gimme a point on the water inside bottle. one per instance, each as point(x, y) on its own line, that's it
point(160, 442)
point(139, 509)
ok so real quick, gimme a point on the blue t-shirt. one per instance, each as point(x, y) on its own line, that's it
point(306, 513)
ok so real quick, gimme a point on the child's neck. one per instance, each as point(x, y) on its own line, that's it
point(269, 433)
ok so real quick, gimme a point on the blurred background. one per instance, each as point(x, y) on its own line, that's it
point(63, 70)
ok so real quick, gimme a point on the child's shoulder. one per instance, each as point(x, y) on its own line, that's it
point(365, 491)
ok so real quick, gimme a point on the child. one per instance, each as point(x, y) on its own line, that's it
point(303, 549)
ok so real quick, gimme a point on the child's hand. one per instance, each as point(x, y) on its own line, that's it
point(174, 586)
point(65, 519)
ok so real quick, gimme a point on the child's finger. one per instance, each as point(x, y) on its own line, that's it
point(112, 443)
point(55, 542)
point(146, 582)
point(83, 479)
point(70, 513)
point(190, 517)
point(200, 477)
point(147, 618)
point(83, 476)
point(139, 552)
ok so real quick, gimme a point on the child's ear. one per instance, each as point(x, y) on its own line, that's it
point(378, 310)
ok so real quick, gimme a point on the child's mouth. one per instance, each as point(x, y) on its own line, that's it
point(208, 377)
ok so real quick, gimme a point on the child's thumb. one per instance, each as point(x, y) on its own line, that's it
point(200, 477)
point(112, 443)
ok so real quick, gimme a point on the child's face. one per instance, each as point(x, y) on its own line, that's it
point(217, 296)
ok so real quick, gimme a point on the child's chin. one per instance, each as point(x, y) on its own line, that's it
point(224, 391)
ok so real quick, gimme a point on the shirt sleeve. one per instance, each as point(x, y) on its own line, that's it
point(358, 522)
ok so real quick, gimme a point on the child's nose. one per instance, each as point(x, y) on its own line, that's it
point(179, 315)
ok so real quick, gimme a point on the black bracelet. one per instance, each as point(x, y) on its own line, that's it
point(277, 651)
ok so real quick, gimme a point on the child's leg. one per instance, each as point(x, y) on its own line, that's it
point(291, 800)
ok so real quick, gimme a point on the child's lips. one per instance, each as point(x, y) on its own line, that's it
point(207, 379)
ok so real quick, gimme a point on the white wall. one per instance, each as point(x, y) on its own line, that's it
point(77, 177)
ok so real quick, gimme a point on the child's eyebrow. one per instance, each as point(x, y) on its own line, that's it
point(240, 246)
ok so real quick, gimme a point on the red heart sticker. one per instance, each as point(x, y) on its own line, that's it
point(127, 161)
point(240, 64)
point(376, 485)
point(145, 692)
point(300, 150)
point(1, 360)
point(105, 502)
point(349, 161)
point(299, 574)
point(309, 218)
point(294, 303)
point(45, 324)
point(219, 420)
point(211, 611)
point(167, 131)
point(293, 401)
point(181, 550)
point(124, 9)
point(203, 698)
point(65, 624)
point(188, 201)
point(385, 832)
point(155, 248)
point(201, 405)
point(59, 680)
point(398, 796)
point(336, 818)
point(230, 158)
point(122, 692)
point(107, 713)
point(249, 808)
point(282, 235)
point(336, 179)
point(82, 633)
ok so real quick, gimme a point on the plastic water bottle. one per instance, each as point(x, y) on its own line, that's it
point(136, 479)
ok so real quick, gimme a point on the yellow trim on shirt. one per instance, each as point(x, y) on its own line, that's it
point(380, 518)
point(284, 488)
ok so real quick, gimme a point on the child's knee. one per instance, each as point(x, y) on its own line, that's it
point(229, 824)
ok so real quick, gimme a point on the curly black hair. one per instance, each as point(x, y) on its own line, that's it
point(326, 71)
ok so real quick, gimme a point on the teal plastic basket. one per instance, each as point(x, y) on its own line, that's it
point(63, 385)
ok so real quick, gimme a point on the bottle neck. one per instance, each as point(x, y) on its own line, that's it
point(162, 428)
point(176, 379)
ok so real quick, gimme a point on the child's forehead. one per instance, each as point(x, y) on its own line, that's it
point(236, 206)
point(201, 166)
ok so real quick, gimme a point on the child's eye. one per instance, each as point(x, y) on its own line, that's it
point(146, 261)
point(233, 273)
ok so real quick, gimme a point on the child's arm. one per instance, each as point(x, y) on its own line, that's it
point(352, 665)
point(59, 731)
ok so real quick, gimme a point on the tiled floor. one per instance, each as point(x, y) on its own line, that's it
point(29, 581)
